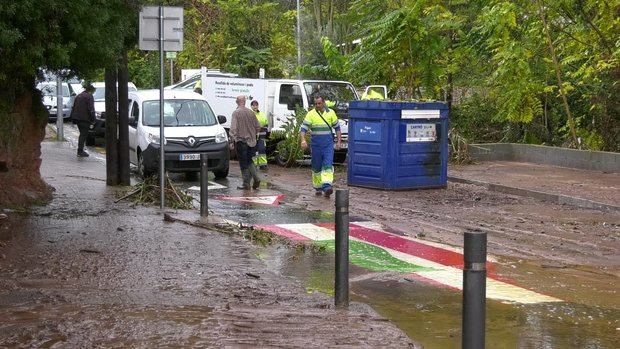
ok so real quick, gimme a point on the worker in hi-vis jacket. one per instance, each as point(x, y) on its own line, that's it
point(321, 122)
point(260, 159)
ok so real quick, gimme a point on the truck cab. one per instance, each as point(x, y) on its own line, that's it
point(284, 96)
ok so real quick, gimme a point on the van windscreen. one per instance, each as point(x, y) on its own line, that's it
point(179, 112)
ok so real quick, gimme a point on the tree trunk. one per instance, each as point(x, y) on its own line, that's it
point(22, 129)
point(318, 17)
point(123, 122)
point(111, 127)
point(558, 73)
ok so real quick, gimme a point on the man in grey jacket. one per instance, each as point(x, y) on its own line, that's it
point(83, 114)
point(244, 129)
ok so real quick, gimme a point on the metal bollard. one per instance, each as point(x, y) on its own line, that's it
point(342, 248)
point(204, 185)
point(474, 290)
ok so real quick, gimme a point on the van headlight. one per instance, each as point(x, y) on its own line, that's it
point(221, 137)
point(152, 138)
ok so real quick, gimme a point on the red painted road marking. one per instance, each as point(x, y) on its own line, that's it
point(446, 275)
point(400, 244)
point(273, 200)
point(282, 232)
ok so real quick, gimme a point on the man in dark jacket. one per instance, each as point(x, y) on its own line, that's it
point(244, 129)
point(83, 114)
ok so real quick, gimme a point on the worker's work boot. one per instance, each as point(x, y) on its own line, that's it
point(255, 177)
point(247, 177)
point(328, 192)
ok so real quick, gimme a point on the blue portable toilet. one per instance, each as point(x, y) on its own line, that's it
point(398, 145)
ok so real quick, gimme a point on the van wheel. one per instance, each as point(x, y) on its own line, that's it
point(191, 176)
point(142, 170)
point(221, 174)
point(90, 140)
point(340, 158)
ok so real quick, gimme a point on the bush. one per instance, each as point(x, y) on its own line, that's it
point(289, 148)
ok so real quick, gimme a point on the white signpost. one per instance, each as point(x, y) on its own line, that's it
point(161, 28)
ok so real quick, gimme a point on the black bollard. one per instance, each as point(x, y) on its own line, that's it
point(474, 290)
point(204, 186)
point(342, 248)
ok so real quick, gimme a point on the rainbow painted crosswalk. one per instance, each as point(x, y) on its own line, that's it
point(373, 248)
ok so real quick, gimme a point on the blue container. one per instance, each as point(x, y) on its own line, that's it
point(398, 145)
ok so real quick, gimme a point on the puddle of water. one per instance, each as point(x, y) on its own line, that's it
point(432, 315)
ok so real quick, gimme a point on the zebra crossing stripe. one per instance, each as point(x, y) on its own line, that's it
point(438, 265)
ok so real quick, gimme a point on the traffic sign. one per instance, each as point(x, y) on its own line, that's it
point(149, 28)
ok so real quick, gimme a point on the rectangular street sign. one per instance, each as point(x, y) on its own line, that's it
point(149, 28)
point(171, 55)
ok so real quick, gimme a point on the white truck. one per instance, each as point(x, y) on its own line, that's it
point(278, 99)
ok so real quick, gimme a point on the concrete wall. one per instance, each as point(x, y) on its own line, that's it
point(540, 154)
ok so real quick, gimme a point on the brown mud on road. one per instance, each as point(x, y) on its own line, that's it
point(518, 227)
point(85, 272)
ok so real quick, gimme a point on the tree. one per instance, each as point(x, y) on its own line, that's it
point(80, 35)
point(239, 36)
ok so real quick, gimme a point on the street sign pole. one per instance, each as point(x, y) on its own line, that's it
point(171, 71)
point(162, 152)
point(161, 32)
point(60, 132)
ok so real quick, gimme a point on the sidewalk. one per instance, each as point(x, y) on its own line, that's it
point(84, 271)
point(587, 189)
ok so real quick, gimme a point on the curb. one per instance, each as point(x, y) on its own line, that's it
point(539, 195)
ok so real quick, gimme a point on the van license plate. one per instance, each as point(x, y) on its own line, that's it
point(186, 157)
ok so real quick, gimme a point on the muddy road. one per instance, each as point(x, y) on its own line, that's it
point(518, 227)
point(155, 287)
point(84, 271)
point(563, 251)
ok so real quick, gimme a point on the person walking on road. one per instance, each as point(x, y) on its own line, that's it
point(244, 128)
point(321, 122)
point(260, 160)
point(83, 114)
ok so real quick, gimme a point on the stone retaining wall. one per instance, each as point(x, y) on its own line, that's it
point(540, 154)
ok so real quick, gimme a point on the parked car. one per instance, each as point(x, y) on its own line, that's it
point(48, 93)
point(77, 87)
point(191, 129)
point(99, 95)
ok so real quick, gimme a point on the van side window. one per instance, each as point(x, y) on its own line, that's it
point(135, 112)
point(291, 96)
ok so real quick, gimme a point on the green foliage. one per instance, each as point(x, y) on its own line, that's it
point(83, 35)
point(240, 36)
point(143, 68)
point(491, 60)
point(289, 147)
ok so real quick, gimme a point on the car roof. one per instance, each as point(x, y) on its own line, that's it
point(101, 84)
point(53, 83)
point(153, 95)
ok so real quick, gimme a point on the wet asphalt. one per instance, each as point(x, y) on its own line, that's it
point(164, 288)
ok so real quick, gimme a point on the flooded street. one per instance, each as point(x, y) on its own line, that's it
point(85, 271)
point(588, 315)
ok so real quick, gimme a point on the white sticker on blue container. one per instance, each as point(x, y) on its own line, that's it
point(421, 133)
point(420, 114)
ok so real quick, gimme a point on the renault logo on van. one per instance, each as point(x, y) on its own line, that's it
point(191, 141)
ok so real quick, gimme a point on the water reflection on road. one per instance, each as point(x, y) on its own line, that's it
point(589, 318)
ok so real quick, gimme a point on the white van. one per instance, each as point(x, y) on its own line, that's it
point(98, 129)
point(191, 129)
point(48, 93)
